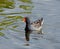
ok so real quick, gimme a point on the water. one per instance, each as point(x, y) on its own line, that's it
point(50, 11)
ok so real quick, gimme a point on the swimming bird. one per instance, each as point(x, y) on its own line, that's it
point(36, 25)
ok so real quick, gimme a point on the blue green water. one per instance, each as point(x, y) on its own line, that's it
point(50, 11)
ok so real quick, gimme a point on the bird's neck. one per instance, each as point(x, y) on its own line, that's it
point(27, 25)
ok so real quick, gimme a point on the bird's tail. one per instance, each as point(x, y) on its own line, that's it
point(42, 21)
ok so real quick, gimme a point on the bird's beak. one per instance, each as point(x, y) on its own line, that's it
point(24, 19)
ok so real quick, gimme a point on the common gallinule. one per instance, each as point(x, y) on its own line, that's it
point(36, 25)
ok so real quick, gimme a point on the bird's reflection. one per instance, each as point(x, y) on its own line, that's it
point(40, 31)
point(27, 35)
point(38, 35)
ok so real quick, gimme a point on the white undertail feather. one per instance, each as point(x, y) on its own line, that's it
point(42, 22)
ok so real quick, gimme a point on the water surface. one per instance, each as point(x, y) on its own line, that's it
point(50, 11)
